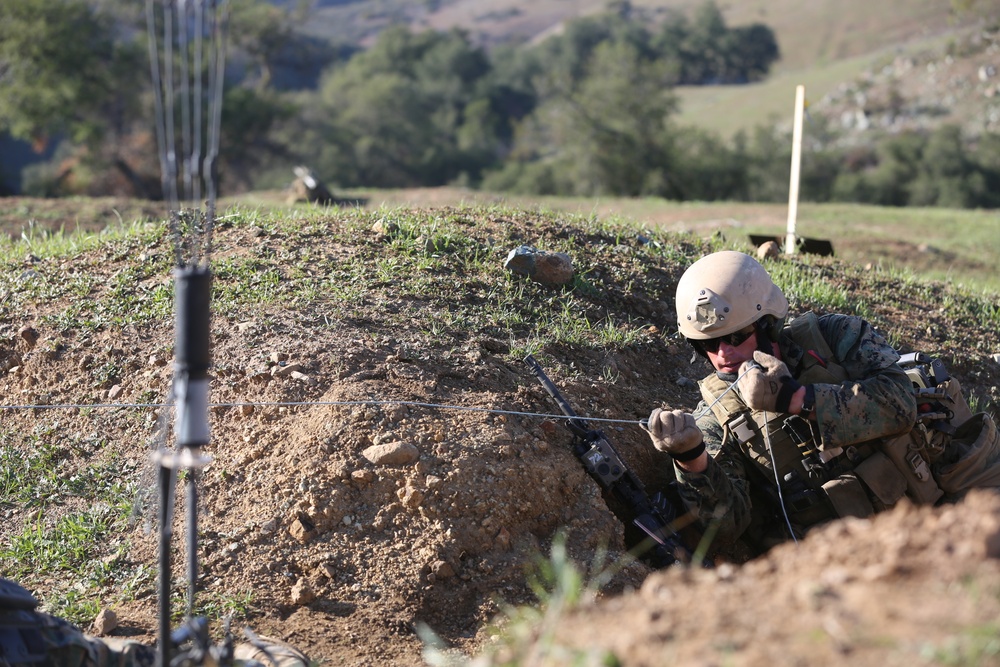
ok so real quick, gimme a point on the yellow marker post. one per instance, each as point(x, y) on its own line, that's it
point(793, 187)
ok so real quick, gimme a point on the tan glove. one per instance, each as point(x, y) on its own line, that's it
point(768, 385)
point(675, 433)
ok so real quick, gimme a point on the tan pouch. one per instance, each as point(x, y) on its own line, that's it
point(880, 475)
point(955, 401)
point(921, 486)
point(972, 458)
point(848, 497)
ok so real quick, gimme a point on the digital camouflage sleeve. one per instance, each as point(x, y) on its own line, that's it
point(876, 401)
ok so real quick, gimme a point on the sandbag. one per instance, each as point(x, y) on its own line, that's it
point(972, 458)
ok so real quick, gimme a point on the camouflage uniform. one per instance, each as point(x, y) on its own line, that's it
point(36, 639)
point(861, 395)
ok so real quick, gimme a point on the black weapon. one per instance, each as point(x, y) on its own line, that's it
point(664, 546)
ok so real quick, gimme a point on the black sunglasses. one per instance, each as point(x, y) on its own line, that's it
point(734, 339)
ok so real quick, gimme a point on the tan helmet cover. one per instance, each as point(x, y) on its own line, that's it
point(724, 292)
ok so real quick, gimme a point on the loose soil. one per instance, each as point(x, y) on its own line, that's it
point(346, 558)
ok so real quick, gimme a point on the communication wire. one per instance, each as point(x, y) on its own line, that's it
point(777, 482)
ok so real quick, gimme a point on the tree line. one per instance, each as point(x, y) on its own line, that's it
point(589, 111)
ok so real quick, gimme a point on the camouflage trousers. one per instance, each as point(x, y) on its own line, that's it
point(34, 639)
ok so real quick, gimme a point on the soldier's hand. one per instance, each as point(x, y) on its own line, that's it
point(768, 385)
point(673, 431)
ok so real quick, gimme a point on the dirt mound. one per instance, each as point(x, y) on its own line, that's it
point(375, 469)
point(916, 585)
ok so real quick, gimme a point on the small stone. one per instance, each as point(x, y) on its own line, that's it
point(105, 622)
point(768, 250)
point(115, 392)
point(302, 377)
point(410, 497)
point(29, 335)
point(302, 529)
point(302, 593)
point(442, 570)
point(362, 478)
point(553, 269)
point(392, 453)
point(386, 228)
point(281, 371)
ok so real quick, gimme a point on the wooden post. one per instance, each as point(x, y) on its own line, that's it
point(793, 186)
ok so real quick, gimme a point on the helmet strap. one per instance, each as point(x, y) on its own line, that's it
point(768, 332)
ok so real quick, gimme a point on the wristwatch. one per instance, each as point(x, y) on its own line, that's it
point(808, 401)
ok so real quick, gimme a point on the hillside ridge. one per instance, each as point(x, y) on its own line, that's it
point(839, 50)
point(383, 461)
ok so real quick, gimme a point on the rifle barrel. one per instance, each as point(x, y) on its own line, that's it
point(577, 424)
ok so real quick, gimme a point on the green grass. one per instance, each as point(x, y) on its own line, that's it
point(955, 246)
point(772, 101)
point(80, 546)
point(973, 646)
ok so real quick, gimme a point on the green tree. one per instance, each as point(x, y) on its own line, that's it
point(262, 33)
point(752, 51)
point(68, 73)
point(706, 46)
point(946, 176)
point(704, 50)
point(707, 169)
point(605, 133)
point(412, 110)
point(986, 153)
point(897, 160)
point(768, 164)
point(59, 70)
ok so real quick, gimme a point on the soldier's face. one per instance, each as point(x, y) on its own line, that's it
point(728, 358)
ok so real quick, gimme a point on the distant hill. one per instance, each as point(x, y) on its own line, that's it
point(852, 55)
point(818, 31)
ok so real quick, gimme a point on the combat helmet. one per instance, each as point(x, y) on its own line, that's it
point(724, 292)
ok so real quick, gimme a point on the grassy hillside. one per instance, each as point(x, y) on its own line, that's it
point(809, 33)
point(956, 246)
point(342, 334)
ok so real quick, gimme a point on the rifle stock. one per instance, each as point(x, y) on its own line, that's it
point(602, 462)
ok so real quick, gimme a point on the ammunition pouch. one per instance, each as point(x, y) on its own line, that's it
point(906, 453)
point(807, 506)
point(971, 459)
point(848, 497)
point(882, 477)
point(957, 450)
